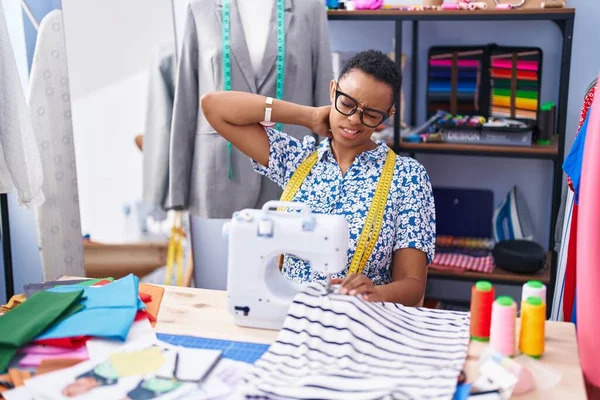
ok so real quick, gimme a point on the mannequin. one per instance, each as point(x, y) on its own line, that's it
point(255, 15)
point(206, 177)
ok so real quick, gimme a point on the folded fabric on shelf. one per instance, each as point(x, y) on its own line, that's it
point(336, 346)
point(109, 311)
point(463, 262)
point(33, 317)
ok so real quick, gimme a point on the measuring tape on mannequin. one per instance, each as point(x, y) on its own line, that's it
point(226, 21)
point(372, 227)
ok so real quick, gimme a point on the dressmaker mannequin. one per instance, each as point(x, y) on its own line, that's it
point(207, 177)
point(255, 16)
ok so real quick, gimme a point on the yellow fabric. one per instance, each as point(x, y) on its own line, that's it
point(372, 227)
point(13, 302)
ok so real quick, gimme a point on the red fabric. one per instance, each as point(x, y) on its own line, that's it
point(69, 343)
point(145, 297)
point(587, 103)
point(571, 268)
point(463, 262)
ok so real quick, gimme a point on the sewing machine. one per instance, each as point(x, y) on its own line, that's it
point(259, 295)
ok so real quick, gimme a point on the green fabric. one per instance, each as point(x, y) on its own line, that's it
point(521, 84)
point(523, 94)
point(20, 326)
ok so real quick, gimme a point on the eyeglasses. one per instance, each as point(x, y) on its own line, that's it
point(347, 106)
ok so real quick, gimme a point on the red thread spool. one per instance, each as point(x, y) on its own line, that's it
point(482, 298)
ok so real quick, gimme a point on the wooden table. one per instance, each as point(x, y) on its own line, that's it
point(200, 312)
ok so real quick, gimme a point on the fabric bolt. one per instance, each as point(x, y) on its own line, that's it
point(464, 262)
point(109, 311)
point(20, 164)
point(409, 218)
point(33, 317)
point(58, 219)
point(336, 346)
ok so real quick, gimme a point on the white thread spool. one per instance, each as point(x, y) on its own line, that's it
point(534, 289)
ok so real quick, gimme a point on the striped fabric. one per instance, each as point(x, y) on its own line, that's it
point(342, 347)
point(462, 262)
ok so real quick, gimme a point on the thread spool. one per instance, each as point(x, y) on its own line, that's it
point(533, 327)
point(534, 289)
point(482, 297)
point(502, 329)
point(480, 5)
point(553, 4)
point(450, 6)
point(504, 6)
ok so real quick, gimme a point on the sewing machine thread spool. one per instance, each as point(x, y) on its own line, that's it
point(502, 329)
point(482, 297)
point(533, 324)
point(534, 289)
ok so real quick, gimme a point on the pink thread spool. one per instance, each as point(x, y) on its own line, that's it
point(502, 329)
point(450, 6)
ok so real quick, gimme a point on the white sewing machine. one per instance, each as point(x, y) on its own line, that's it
point(259, 295)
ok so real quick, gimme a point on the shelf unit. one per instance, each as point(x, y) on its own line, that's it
point(564, 18)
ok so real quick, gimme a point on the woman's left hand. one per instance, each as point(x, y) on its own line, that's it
point(358, 284)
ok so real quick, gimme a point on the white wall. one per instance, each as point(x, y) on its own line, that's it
point(110, 40)
point(27, 265)
point(109, 47)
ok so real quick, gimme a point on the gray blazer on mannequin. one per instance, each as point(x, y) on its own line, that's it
point(199, 161)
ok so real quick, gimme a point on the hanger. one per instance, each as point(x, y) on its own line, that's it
point(29, 14)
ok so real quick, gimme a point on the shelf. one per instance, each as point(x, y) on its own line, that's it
point(548, 152)
point(498, 276)
point(549, 14)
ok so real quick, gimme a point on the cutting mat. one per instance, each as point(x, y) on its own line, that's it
point(238, 351)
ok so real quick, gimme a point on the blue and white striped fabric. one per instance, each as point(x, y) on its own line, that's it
point(342, 347)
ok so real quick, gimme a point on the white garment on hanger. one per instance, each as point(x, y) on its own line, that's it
point(20, 165)
point(256, 17)
point(58, 219)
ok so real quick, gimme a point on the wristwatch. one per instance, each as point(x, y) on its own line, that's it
point(267, 122)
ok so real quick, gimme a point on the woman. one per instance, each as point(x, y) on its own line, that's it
point(345, 174)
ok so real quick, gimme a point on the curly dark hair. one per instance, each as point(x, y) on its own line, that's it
point(378, 65)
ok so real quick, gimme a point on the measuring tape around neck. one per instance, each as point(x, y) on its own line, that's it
point(226, 32)
point(373, 222)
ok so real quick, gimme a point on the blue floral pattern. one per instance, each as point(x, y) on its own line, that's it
point(409, 218)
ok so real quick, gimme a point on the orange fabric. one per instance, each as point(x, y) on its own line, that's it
point(51, 365)
point(156, 295)
point(13, 302)
point(17, 376)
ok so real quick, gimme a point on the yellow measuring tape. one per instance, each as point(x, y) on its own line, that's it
point(372, 227)
point(175, 250)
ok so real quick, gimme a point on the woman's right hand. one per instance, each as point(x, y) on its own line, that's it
point(320, 121)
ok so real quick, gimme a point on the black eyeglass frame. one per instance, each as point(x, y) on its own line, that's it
point(338, 93)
